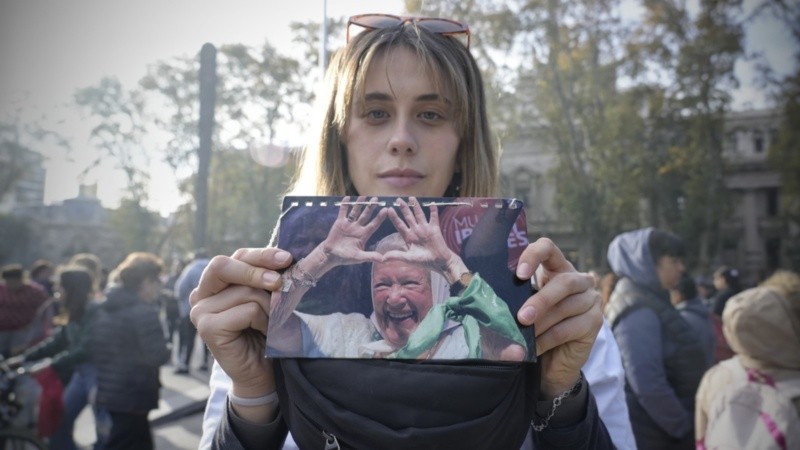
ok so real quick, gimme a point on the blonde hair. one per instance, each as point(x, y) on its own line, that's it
point(323, 163)
point(787, 283)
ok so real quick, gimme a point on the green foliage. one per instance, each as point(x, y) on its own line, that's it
point(244, 203)
point(137, 226)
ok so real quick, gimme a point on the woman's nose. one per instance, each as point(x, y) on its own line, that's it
point(395, 296)
point(402, 140)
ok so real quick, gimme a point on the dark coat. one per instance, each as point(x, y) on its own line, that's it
point(129, 347)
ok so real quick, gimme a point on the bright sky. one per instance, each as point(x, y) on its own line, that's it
point(49, 48)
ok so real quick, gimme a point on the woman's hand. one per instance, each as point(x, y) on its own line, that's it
point(426, 245)
point(565, 312)
point(230, 308)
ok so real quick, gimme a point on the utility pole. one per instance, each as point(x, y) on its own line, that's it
point(208, 85)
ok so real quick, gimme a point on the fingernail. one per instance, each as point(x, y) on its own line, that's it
point(523, 271)
point(269, 277)
point(527, 315)
point(282, 256)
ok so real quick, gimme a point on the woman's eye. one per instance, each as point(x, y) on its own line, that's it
point(376, 114)
point(430, 115)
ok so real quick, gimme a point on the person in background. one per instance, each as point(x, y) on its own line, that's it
point(404, 115)
point(727, 284)
point(706, 291)
point(607, 283)
point(168, 301)
point(187, 281)
point(21, 306)
point(68, 353)
point(663, 359)
point(93, 264)
point(41, 272)
point(762, 325)
point(685, 299)
point(129, 347)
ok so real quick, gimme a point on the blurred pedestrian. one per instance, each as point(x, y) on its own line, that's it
point(763, 327)
point(663, 359)
point(607, 283)
point(130, 346)
point(21, 303)
point(68, 352)
point(687, 301)
point(92, 263)
point(169, 302)
point(727, 284)
point(188, 280)
point(41, 272)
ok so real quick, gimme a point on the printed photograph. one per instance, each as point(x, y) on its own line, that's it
point(401, 278)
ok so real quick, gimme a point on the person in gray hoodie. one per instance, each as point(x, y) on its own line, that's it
point(663, 359)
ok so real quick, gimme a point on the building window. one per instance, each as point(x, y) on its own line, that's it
point(772, 202)
point(758, 141)
point(730, 142)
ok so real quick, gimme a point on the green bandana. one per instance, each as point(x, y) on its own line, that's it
point(478, 306)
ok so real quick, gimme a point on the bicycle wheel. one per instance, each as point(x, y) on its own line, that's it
point(12, 439)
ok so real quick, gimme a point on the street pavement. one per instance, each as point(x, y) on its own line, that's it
point(177, 423)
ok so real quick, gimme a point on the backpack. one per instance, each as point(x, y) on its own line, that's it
point(753, 412)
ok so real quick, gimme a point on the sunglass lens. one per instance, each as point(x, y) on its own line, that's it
point(377, 21)
point(441, 26)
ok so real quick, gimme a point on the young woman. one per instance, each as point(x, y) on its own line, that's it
point(403, 115)
point(68, 352)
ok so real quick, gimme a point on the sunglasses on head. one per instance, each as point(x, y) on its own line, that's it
point(445, 27)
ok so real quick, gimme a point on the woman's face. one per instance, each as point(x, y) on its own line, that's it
point(150, 289)
point(401, 298)
point(403, 141)
point(719, 282)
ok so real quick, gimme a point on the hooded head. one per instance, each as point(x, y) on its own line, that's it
point(762, 325)
point(647, 256)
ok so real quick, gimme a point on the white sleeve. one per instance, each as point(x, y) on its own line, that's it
point(220, 384)
point(606, 375)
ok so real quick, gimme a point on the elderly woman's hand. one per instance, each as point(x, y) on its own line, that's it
point(565, 312)
point(347, 239)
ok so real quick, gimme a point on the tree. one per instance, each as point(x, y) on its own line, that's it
point(555, 66)
point(119, 130)
point(137, 226)
point(784, 152)
point(695, 56)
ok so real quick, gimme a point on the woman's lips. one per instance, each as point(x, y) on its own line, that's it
point(401, 178)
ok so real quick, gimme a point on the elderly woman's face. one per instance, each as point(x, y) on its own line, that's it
point(401, 298)
point(403, 141)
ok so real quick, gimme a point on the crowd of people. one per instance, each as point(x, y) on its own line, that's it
point(635, 358)
point(80, 336)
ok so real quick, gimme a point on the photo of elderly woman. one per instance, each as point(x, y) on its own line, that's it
point(425, 302)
